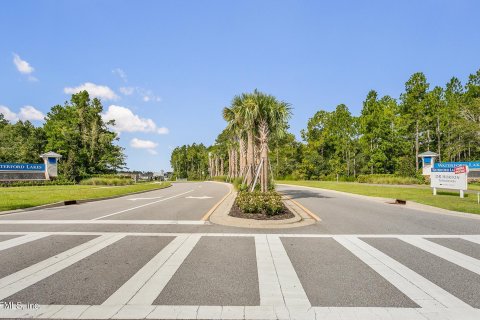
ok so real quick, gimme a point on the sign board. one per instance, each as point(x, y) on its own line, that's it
point(473, 165)
point(460, 169)
point(22, 167)
point(447, 178)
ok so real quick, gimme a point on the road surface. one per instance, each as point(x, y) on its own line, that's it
point(151, 255)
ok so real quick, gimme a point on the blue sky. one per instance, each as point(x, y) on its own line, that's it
point(166, 69)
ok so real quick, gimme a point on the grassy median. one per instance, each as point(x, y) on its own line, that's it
point(421, 194)
point(24, 197)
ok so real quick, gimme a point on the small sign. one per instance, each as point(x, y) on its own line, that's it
point(460, 169)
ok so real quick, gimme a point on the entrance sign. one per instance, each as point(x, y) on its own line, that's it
point(22, 167)
point(31, 171)
point(472, 165)
point(449, 178)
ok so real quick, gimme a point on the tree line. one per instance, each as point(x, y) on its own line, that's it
point(75, 130)
point(385, 138)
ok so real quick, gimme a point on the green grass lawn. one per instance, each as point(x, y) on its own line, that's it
point(423, 194)
point(24, 197)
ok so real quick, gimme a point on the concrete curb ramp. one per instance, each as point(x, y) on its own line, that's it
point(220, 216)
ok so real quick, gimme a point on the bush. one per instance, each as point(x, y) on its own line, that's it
point(219, 178)
point(34, 183)
point(269, 203)
point(116, 181)
point(388, 179)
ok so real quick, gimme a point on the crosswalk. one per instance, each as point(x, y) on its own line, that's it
point(281, 286)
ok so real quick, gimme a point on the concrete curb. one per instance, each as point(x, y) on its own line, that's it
point(388, 201)
point(219, 215)
point(62, 203)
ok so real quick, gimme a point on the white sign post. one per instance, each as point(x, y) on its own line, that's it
point(449, 178)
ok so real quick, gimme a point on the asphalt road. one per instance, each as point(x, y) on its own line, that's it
point(152, 256)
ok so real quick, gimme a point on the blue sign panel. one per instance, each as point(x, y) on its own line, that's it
point(471, 165)
point(19, 167)
point(443, 169)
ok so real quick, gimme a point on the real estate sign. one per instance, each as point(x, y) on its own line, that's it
point(449, 178)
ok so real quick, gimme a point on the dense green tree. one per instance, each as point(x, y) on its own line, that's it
point(77, 132)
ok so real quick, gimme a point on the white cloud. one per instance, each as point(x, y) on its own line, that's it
point(8, 114)
point(127, 121)
point(95, 91)
point(127, 90)
point(26, 113)
point(31, 114)
point(22, 65)
point(144, 144)
point(119, 72)
point(163, 130)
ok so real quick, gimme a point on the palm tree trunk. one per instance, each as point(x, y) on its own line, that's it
point(250, 168)
point(263, 129)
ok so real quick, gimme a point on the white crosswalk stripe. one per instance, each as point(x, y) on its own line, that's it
point(282, 295)
point(7, 244)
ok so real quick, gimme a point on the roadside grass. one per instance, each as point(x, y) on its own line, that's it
point(449, 200)
point(12, 198)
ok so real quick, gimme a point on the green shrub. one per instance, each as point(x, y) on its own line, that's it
point(114, 181)
point(269, 203)
point(388, 179)
point(34, 183)
point(219, 178)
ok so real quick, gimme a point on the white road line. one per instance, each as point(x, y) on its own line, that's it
point(413, 292)
point(154, 286)
point(20, 240)
point(22, 279)
point(473, 238)
point(292, 290)
point(268, 283)
point(182, 222)
point(430, 289)
point(143, 205)
point(445, 253)
point(237, 312)
point(125, 293)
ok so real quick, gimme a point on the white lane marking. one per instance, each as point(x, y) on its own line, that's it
point(236, 312)
point(154, 286)
point(292, 290)
point(219, 234)
point(201, 198)
point(10, 243)
point(268, 283)
point(445, 253)
point(474, 239)
point(22, 279)
point(137, 281)
point(187, 222)
point(412, 291)
point(143, 205)
point(152, 198)
point(443, 297)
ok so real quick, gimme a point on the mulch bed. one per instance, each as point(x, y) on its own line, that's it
point(238, 213)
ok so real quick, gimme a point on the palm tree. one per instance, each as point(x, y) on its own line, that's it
point(272, 119)
point(258, 115)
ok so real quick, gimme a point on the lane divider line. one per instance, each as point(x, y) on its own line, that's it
point(143, 205)
point(310, 213)
point(209, 213)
